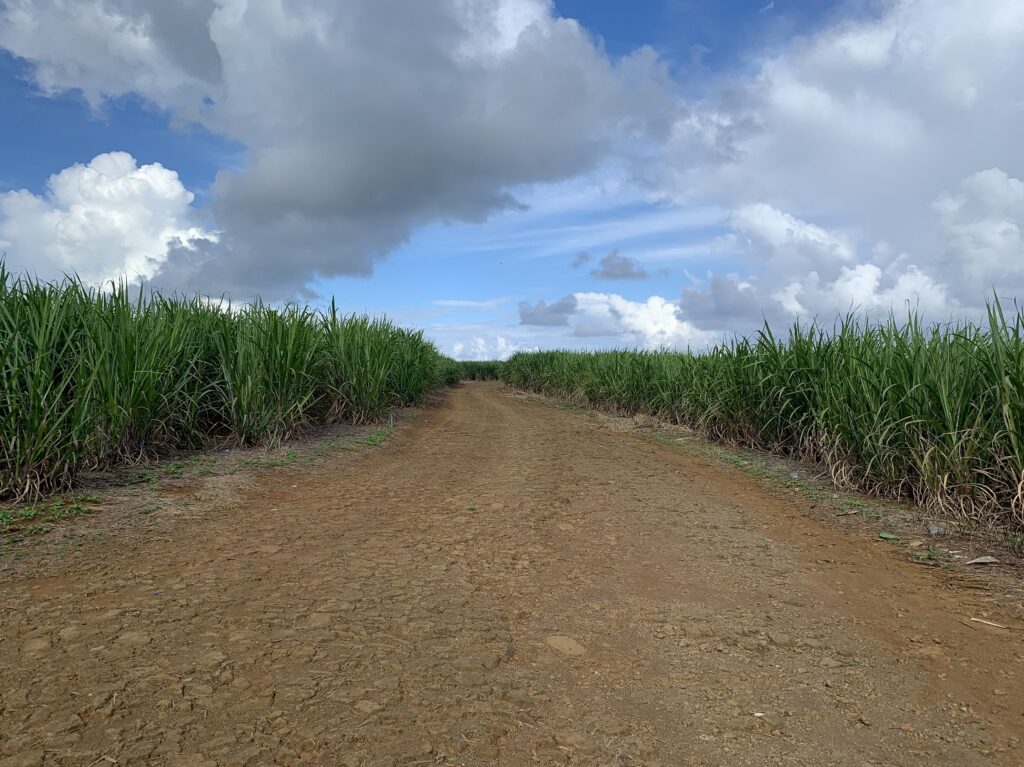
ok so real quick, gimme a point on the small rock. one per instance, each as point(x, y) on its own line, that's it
point(367, 706)
point(139, 753)
point(133, 638)
point(69, 633)
point(319, 621)
point(794, 475)
point(986, 560)
point(219, 744)
point(472, 679)
point(696, 630)
point(488, 753)
point(65, 724)
point(494, 659)
point(864, 721)
point(830, 663)
point(519, 697)
point(936, 530)
point(779, 639)
point(613, 727)
point(566, 645)
point(36, 646)
point(212, 658)
point(266, 740)
point(575, 741)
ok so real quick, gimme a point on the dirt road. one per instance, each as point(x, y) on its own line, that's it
point(502, 583)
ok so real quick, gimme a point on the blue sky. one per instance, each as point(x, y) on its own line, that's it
point(716, 163)
point(717, 35)
point(43, 134)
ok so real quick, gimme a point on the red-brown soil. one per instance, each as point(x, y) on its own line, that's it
point(503, 583)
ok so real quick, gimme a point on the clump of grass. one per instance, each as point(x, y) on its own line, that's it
point(34, 518)
point(930, 414)
point(487, 370)
point(95, 378)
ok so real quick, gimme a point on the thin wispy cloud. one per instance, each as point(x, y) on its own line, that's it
point(619, 228)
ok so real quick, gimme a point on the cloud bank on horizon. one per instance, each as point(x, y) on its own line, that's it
point(873, 163)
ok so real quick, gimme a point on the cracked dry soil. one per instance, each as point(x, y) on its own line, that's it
point(503, 583)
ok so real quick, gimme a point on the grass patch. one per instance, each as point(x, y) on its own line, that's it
point(19, 523)
point(378, 437)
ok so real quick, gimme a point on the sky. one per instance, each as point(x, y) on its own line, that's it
point(522, 174)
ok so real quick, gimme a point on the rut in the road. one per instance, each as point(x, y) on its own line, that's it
point(503, 583)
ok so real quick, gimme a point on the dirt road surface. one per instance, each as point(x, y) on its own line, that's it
point(503, 583)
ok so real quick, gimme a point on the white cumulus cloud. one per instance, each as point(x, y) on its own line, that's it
point(798, 270)
point(874, 162)
point(982, 226)
point(651, 324)
point(104, 220)
point(487, 347)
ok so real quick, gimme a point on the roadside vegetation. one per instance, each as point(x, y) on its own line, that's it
point(931, 414)
point(92, 379)
point(480, 371)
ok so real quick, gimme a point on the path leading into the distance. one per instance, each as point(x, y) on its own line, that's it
point(502, 583)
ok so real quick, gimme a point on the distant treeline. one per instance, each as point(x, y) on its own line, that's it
point(480, 371)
